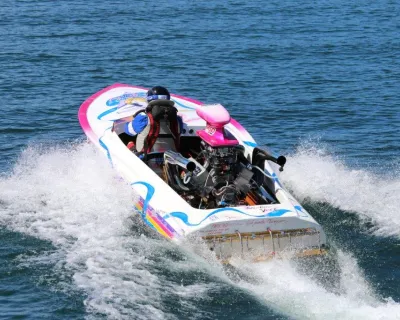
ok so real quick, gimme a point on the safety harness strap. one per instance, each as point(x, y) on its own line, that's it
point(153, 134)
point(156, 113)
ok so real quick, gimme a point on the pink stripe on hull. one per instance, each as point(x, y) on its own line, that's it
point(238, 126)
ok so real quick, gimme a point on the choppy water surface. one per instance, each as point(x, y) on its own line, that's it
point(318, 82)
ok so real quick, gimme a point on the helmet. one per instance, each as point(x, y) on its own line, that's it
point(158, 93)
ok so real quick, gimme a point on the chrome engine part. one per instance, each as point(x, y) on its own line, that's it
point(221, 162)
point(216, 178)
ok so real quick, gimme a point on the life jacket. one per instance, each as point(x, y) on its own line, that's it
point(162, 131)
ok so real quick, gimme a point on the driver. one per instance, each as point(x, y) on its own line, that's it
point(157, 127)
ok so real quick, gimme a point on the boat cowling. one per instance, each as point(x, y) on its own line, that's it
point(216, 117)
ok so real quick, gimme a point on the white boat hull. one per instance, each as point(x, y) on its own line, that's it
point(248, 231)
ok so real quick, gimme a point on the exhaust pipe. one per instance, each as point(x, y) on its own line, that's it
point(176, 158)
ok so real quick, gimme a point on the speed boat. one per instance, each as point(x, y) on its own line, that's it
point(220, 187)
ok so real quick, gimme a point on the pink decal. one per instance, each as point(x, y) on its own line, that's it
point(217, 139)
point(210, 130)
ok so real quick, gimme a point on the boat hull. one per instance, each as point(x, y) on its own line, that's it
point(245, 231)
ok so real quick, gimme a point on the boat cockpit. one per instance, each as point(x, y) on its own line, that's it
point(207, 165)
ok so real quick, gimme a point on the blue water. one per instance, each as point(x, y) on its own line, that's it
point(316, 81)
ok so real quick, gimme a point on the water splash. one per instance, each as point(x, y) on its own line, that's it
point(280, 285)
point(71, 197)
point(312, 173)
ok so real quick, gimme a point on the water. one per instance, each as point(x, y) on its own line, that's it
point(318, 82)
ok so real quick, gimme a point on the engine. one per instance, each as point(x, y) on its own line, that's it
point(216, 178)
point(221, 163)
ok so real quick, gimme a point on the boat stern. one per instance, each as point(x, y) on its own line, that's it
point(260, 233)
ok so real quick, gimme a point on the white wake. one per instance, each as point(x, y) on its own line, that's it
point(71, 197)
point(311, 173)
point(287, 291)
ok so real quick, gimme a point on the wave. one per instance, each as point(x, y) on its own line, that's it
point(71, 197)
point(314, 174)
point(280, 285)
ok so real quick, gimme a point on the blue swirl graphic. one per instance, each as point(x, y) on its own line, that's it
point(275, 177)
point(108, 151)
point(116, 100)
point(101, 115)
point(183, 216)
point(303, 213)
point(250, 143)
point(149, 195)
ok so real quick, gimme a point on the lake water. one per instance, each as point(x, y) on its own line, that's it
point(318, 81)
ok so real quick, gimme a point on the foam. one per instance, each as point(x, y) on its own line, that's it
point(313, 173)
point(71, 197)
point(287, 291)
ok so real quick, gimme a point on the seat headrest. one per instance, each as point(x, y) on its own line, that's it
point(161, 102)
point(160, 111)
